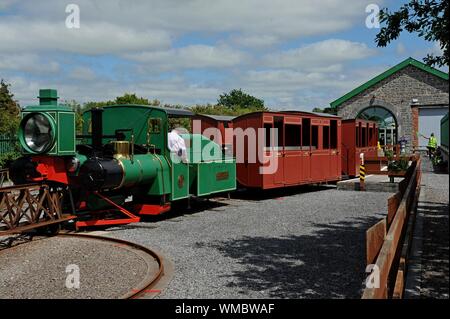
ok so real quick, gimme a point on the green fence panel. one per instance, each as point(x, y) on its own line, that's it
point(8, 143)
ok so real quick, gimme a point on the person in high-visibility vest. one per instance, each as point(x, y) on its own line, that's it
point(432, 144)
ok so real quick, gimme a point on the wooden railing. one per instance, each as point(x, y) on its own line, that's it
point(388, 241)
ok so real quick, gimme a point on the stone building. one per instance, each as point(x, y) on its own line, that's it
point(408, 100)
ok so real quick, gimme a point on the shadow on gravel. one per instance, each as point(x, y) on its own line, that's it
point(15, 240)
point(330, 263)
point(178, 209)
point(257, 194)
point(435, 258)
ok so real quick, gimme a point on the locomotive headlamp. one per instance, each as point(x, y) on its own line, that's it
point(37, 133)
point(47, 128)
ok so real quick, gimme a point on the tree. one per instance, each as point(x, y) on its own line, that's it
point(127, 98)
point(237, 99)
point(132, 98)
point(9, 110)
point(9, 123)
point(327, 110)
point(427, 18)
point(78, 109)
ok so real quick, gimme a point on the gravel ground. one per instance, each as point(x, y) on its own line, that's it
point(307, 244)
point(106, 270)
point(435, 258)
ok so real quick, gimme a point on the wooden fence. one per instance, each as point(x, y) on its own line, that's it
point(388, 241)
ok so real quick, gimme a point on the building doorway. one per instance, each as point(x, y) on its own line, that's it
point(387, 123)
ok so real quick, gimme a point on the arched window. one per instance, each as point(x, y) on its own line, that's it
point(387, 123)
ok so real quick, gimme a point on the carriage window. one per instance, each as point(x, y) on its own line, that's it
point(306, 133)
point(293, 134)
point(154, 125)
point(333, 134)
point(278, 125)
point(371, 139)
point(315, 137)
point(326, 137)
point(364, 136)
point(267, 127)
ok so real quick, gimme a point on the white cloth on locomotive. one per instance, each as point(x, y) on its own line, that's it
point(177, 145)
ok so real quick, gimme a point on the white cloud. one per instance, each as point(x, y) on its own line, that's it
point(27, 62)
point(280, 89)
point(20, 35)
point(173, 91)
point(82, 73)
point(238, 40)
point(319, 54)
point(255, 21)
point(5, 4)
point(255, 41)
point(192, 56)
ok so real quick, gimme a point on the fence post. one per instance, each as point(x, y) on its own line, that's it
point(362, 173)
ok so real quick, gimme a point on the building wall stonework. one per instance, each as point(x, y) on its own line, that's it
point(396, 93)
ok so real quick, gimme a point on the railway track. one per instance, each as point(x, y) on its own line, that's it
point(147, 285)
point(37, 207)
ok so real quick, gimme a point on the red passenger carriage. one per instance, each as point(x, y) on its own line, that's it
point(358, 136)
point(307, 149)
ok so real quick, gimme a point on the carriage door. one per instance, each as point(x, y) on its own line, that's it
point(278, 124)
point(335, 157)
point(292, 150)
point(306, 150)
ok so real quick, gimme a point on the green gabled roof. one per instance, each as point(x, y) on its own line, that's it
point(384, 75)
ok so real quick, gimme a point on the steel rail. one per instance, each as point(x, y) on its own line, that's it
point(147, 283)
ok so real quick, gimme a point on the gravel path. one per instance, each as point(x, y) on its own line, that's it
point(106, 270)
point(433, 206)
point(309, 244)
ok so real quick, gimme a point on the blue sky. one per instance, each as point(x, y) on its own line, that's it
point(294, 54)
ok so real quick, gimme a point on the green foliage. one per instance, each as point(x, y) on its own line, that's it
point(427, 18)
point(437, 159)
point(10, 149)
point(237, 99)
point(127, 98)
point(327, 110)
point(389, 154)
point(9, 110)
point(132, 98)
point(175, 122)
point(234, 104)
point(400, 165)
point(7, 158)
point(221, 110)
